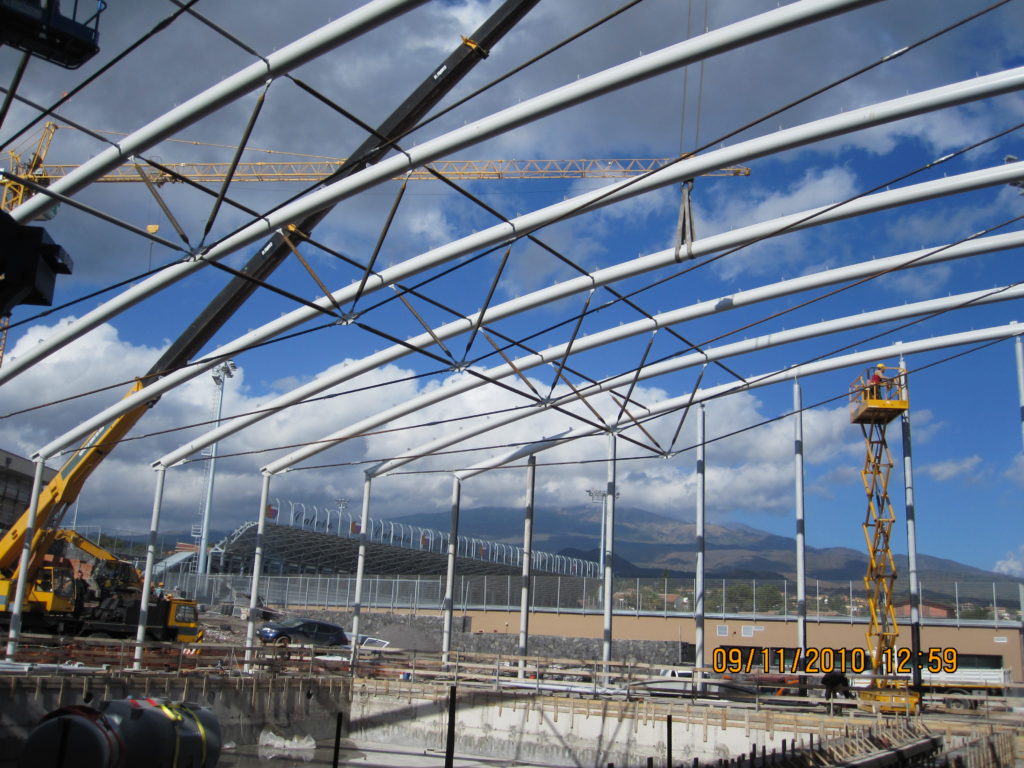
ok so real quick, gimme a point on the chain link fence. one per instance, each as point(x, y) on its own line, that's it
point(940, 601)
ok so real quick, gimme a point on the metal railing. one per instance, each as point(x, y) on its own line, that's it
point(949, 602)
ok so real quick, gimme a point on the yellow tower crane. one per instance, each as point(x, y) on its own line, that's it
point(876, 399)
point(313, 168)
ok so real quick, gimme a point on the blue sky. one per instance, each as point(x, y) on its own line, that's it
point(968, 464)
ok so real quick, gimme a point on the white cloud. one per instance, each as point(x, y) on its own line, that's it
point(1015, 472)
point(954, 468)
point(1012, 564)
point(746, 205)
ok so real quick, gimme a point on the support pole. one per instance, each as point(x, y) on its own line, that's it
point(524, 596)
point(364, 521)
point(609, 548)
point(698, 582)
point(915, 589)
point(1019, 345)
point(449, 582)
point(801, 572)
point(257, 567)
point(147, 576)
point(26, 554)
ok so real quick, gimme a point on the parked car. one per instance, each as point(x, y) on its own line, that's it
point(303, 632)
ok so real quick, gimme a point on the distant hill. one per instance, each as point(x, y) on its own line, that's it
point(649, 544)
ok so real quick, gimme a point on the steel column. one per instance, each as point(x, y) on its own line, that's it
point(26, 554)
point(147, 576)
point(257, 567)
point(364, 520)
point(801, 572)
point(524, 595)
point(915, 589)
point(1019, 346)
point(698, 580)
point(449, 582)
point(609, 549)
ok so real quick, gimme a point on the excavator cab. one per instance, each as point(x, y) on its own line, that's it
point(39, 27)
point(54, 590)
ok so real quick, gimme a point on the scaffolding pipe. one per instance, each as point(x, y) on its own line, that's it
point(147, 574)
point(257, 568)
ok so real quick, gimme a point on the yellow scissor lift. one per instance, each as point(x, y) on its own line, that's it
point(876, 399)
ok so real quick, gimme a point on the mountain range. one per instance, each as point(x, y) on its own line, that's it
point(649, 544)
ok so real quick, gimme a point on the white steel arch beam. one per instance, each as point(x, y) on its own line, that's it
point(894, 109)
point(795, 222)
point(775, 377)
point(246, 80)
point(548, 103)
point(468, 383)
point(710, 354)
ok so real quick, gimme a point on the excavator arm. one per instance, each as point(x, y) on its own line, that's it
point(61, 492)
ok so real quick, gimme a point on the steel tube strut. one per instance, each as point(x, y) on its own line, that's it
point(244, 81)
point(682, 54)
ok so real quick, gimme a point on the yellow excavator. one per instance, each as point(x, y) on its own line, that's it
point(98, 595)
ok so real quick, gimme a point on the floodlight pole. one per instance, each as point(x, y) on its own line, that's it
point(221, 374)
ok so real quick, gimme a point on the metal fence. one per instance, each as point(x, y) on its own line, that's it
point(950, 601)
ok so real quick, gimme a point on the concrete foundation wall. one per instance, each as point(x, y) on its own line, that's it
point(559, 731)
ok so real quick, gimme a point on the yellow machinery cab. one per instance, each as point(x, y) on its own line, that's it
point(183, 616)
